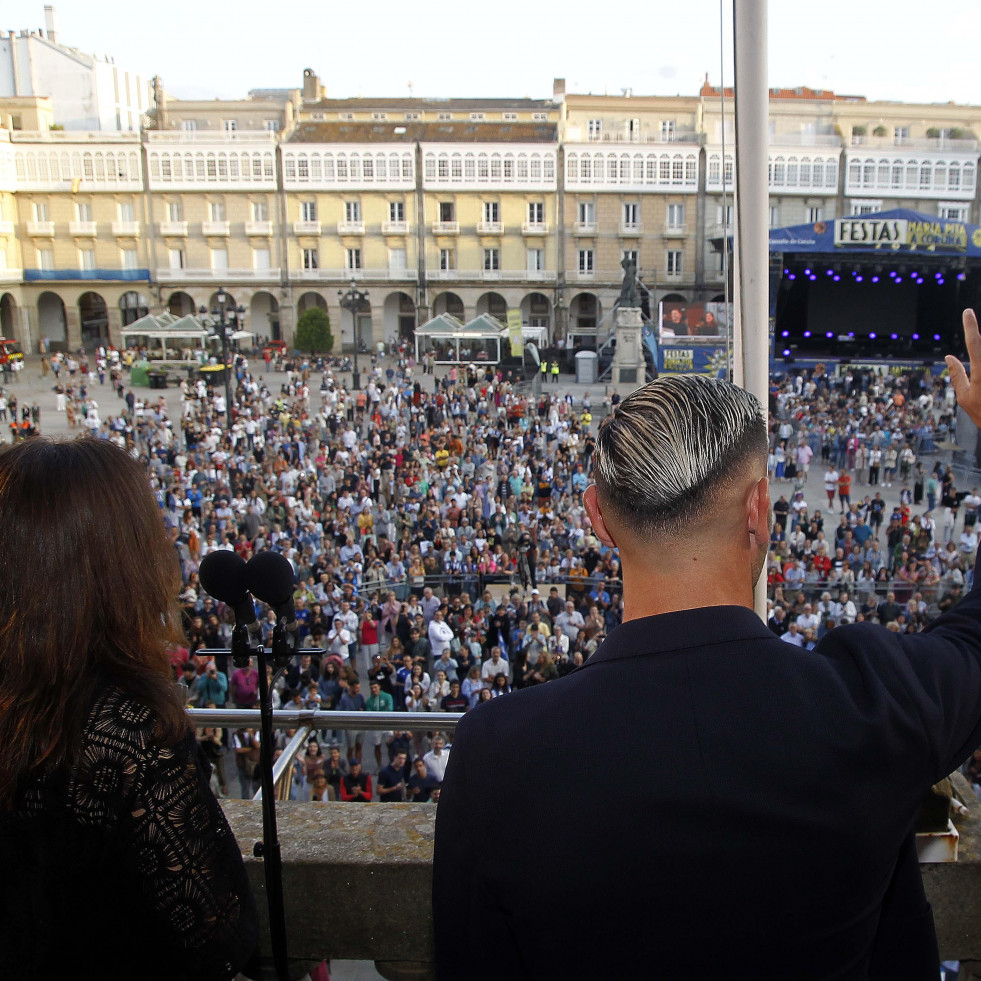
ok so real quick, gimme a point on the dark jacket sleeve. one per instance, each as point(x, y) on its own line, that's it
point(473, 939)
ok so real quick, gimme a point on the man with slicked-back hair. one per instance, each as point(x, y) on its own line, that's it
point(757, 822)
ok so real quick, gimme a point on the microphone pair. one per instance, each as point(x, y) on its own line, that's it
point(267, 576)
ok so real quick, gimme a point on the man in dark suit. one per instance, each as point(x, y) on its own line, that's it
point(757, 821)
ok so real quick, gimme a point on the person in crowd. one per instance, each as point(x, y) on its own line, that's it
point(356, 785)
point(421, 783)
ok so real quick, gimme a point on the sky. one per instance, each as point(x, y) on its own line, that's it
point(902, 50)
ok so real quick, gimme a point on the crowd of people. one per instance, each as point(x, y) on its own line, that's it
point(419, 521)
point(421, 512)
point(850, 556)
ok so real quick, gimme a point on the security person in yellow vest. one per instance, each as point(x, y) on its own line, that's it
point(555, 372)
point(544, 371)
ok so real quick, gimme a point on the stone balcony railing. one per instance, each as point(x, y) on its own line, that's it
point(357, 879)
point(357, 882)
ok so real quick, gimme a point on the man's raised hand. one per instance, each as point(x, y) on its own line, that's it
point(968, 390)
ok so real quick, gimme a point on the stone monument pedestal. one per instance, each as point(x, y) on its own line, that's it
point(628, 359)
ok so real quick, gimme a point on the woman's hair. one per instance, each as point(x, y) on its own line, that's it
point(90, 592)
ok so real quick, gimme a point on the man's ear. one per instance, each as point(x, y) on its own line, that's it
point(758, 513)
point(591, 503)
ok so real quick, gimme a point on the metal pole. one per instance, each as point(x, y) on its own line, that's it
point(356, 375)
point(226, 372)
point(752, 197)
point(269, 848)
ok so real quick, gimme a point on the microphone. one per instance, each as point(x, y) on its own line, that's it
point(222, 574)
point(271, 578)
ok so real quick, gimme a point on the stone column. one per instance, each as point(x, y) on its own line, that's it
point(115, 317)
point(73, 327)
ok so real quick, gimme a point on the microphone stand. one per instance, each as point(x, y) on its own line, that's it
point(268, 849)
point(281, 653)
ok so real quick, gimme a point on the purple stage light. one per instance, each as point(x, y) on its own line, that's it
point(936, 337)
point(898, 279)
point(829, 272)
point(916, 337)
point(791, 276)
point(894, 337)
point(807, 272)
point(875, 279)
point(807, 333)
point(836, 278)
point(829, 335)
point(859, 279)
point(892, 273)
point(785, 333)
point(786, 352)
point(872, 336)
point(962, 276)
point(940, 282)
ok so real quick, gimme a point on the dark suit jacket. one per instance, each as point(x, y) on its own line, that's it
point(702, 799)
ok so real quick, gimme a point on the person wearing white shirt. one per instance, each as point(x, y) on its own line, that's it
point(440, 634)
point(339, 639)
point(793, 636)
point(808, 618)
point(437, 758)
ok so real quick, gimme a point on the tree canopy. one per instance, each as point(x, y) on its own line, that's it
point(313, 331)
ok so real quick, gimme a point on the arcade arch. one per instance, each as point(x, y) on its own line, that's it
point(8, 316)
point(181, 304)
point(263, 317)
point(132, 306)
point(494, 304)
point(448, 303)
point(51, 319)
point(536, 311)
point(93, 317)
point(399, 317)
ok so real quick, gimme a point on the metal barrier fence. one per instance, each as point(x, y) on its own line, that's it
point(453, 585)
point(308, 721)
point(858, 591)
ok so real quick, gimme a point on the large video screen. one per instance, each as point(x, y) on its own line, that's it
point(883, 308)
point(693, 320)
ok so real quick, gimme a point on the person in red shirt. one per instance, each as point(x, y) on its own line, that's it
point(822, 563)
point(845, 490)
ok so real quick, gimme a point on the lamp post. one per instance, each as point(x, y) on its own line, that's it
point(225, 320)
point(352, 300)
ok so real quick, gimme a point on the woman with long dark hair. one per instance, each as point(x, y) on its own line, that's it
point(116, 857)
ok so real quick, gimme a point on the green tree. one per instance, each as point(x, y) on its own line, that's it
point(313, 331)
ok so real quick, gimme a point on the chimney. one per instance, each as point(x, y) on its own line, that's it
point(312, 89)
point(49, 23)
point(558, 89)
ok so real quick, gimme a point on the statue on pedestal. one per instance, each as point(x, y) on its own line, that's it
point(629, 296)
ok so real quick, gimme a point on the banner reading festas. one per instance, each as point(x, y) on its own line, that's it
point(514, 332)
point(900, 233)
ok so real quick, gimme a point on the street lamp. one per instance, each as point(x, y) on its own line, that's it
point(353, 300)
point(225, 320)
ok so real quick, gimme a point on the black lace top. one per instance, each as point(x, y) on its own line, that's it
point(124, 867)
